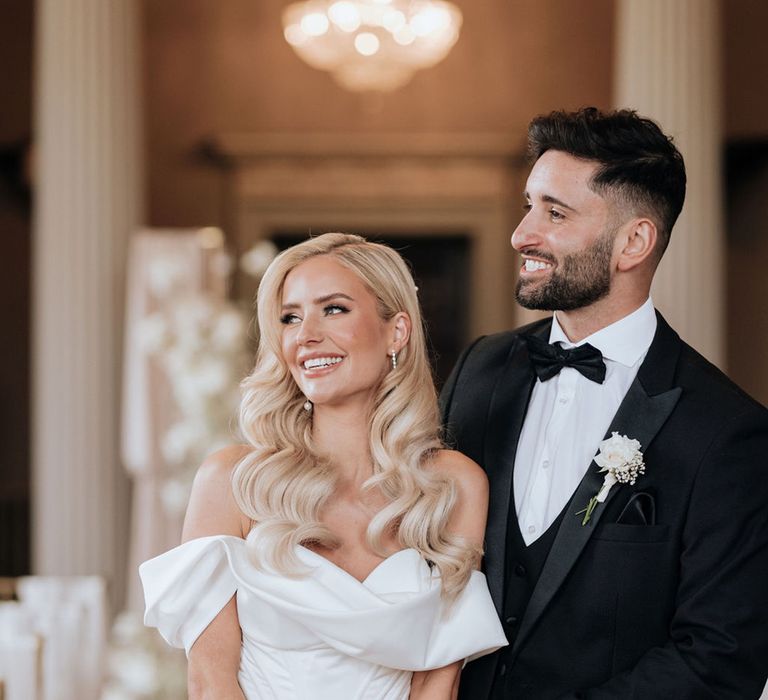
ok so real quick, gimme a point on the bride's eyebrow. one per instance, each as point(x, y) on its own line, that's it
point(319, 300)
point(335, 295)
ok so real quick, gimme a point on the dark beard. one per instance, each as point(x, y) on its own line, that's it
point(579, 280)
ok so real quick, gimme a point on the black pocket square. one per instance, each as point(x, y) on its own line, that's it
point(640, 510)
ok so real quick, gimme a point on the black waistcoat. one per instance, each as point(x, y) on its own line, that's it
point(524, 565)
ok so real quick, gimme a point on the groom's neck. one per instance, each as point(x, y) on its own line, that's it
point(578, 324)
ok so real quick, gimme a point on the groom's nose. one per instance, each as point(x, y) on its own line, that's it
point(524, 236)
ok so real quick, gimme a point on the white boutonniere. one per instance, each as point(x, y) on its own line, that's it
point(620, 457)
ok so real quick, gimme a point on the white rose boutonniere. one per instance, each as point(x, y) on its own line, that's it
point(620, 457)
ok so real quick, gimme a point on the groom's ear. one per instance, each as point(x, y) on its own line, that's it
point(637, 239)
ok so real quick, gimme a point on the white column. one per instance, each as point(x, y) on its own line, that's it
point(668, 68)
point(88, 200)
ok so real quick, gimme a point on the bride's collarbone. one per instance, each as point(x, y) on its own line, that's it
point(359, 562)
point(347, 517)
point(352, 553)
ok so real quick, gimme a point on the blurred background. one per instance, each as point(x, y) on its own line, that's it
point(155, 154)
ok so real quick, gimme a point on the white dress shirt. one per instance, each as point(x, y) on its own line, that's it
point(568, 417)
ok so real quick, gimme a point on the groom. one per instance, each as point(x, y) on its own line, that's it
point(649, 580)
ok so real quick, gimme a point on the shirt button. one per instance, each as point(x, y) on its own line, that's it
point(545, 464)
point(531, 529)
point(520, 570)
point(564, 399)
point(511, 621)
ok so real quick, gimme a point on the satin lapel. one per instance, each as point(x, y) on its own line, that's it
point(506, 413)
point(640, 416)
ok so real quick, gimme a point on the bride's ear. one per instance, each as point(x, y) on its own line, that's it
point(401, 330)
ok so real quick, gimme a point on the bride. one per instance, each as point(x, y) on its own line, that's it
point(334, 555)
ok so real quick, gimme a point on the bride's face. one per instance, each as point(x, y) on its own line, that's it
point(334, 341)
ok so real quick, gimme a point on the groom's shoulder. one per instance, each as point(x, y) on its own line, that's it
point(710, 384)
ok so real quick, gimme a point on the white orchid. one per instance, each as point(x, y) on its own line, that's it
point(178, 442)
point(175, 495)
point(154, 332)
point(166, 275)
point(256, 259)
point(228, 330)
point(141, 665)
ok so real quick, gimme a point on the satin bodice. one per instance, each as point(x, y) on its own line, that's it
point(324, 634)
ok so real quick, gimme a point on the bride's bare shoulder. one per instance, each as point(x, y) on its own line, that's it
point(466, 473)
point(219, 465)
point(470, 508)
point(212, 508)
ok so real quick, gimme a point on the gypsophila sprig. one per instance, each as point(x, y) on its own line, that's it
point(620, 457)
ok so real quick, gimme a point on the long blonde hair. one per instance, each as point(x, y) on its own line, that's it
point(282, 484)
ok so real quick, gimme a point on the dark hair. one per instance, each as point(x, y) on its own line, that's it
point(638, 163)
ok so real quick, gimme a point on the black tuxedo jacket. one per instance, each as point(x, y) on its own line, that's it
point(668, 605)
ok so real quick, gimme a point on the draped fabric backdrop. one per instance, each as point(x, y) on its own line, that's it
point(148, 409)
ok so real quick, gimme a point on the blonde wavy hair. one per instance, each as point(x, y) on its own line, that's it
point(282, 484)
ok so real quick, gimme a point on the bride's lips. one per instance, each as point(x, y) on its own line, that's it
point(318, 365)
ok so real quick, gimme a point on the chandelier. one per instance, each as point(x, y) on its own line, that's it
point(372, 44)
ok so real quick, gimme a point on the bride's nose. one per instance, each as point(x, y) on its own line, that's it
point(310, 331)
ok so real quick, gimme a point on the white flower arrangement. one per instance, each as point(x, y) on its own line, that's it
point(622, 461)
point(141, 665)
point(256, 260)
point(200, 343)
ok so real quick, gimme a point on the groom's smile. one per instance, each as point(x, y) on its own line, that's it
point(534, 265)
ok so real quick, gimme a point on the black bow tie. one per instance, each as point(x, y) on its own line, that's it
point(548, 360)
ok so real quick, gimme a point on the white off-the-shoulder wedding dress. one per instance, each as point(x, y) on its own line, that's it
point(325, 635)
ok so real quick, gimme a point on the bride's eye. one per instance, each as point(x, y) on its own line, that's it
point(288, 319)
point(333, 309)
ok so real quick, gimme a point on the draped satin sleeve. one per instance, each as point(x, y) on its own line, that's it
point(185, 588)
point(395, 618)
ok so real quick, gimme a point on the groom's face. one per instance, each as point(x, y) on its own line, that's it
point(566, 238)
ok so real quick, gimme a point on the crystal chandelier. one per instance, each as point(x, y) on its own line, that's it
point(372, 44)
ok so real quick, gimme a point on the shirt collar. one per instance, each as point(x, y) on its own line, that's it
point(624, 341)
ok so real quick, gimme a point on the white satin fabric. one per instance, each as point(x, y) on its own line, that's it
point(323, 636)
